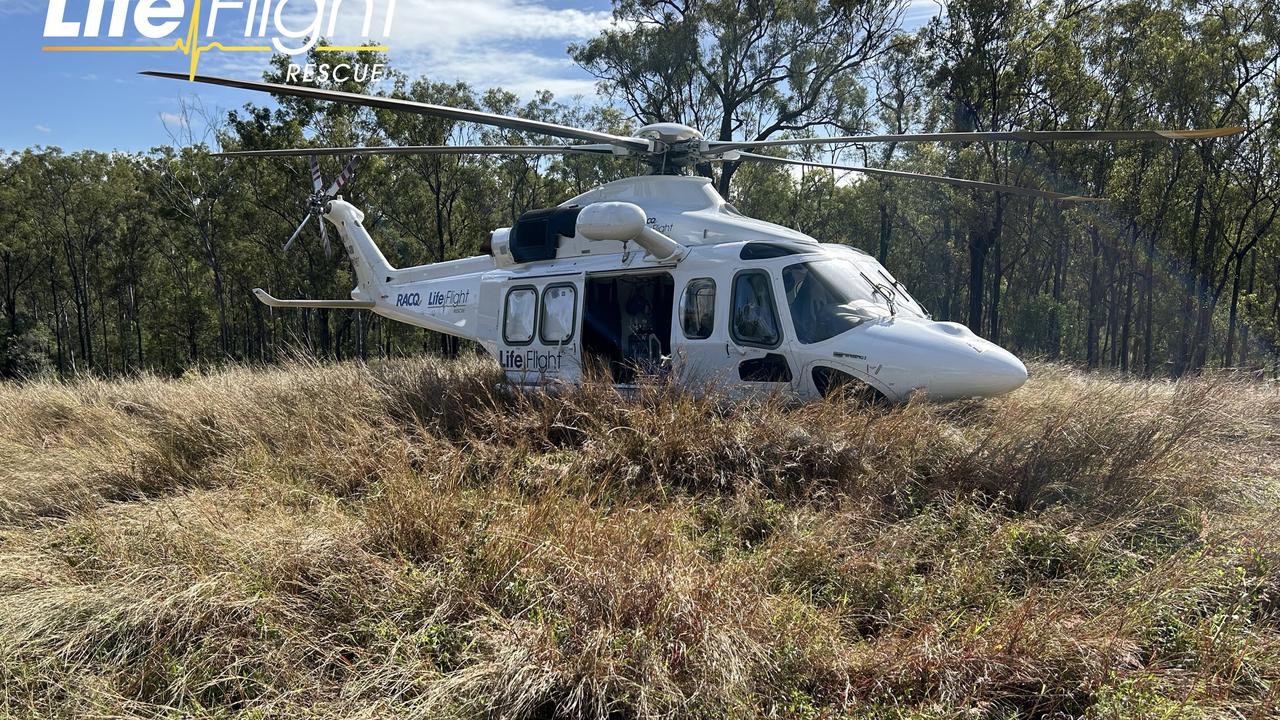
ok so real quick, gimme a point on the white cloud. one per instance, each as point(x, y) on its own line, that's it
point(521, 72)
point(174, 119)
point(22, 7)
point(241, 65)
point(436, 23)
point(919, 12)
point(518, 45)
point(43, 129)
point(422, 24)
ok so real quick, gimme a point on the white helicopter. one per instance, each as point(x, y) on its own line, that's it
point(659, 275)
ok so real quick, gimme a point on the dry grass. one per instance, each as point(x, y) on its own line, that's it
point(411, 540)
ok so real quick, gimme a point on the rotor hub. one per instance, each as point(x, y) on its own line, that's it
point(669, 133)
point(317, 203)
point(675, 146)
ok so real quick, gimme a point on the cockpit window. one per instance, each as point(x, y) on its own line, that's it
point(904, 297)
point(755, 317)
point(877, 274)
point(828, 297)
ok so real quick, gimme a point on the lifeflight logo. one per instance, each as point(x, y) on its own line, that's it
point(293, 26)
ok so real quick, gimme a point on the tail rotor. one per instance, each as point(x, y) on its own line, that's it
point(319, 199)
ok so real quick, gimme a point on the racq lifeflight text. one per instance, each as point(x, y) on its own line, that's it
point(301, 21)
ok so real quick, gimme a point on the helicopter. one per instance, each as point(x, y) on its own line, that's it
point(658, 275)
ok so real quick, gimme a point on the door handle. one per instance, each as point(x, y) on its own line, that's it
point(728, 346)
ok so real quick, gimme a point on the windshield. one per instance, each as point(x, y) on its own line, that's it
point(828, 297)
point(876, 273)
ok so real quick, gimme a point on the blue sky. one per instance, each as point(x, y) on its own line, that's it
point(97, 100)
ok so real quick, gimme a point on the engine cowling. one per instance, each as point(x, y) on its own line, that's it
point(537, 234)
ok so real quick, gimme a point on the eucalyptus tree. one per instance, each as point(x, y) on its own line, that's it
point(24, 348)
point(982, 53)
point(897, 97)
point(746, 68)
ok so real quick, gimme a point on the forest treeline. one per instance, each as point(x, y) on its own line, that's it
point(117, 262)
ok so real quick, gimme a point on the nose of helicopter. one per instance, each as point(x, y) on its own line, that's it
point(945, 360)
point(1000, 371)
point(977, 367)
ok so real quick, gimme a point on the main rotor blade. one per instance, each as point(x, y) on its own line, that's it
point(342, 178)
point(297, 232)
point(961, 182)
point(597, 149)
point(444, 111)
point(315, 174)
point(1012, 136)
point(324, 235)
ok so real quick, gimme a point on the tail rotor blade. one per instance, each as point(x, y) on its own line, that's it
point(343, 176)
point(297, 232)
point(315, 175)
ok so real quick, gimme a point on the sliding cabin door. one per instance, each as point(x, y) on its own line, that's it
point(540, 330)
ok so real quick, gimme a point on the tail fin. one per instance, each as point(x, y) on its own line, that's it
point(370, 265)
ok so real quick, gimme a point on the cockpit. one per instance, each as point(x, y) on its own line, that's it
point(827, 297)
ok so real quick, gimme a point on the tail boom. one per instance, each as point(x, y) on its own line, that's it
point(442, 296)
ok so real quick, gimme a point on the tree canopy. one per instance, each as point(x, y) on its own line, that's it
point(118, 262)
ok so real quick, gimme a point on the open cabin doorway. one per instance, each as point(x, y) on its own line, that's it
point(626, 324)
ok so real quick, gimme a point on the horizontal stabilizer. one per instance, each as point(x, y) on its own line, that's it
point(266, 299)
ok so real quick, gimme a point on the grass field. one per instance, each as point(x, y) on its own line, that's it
point(402, 540)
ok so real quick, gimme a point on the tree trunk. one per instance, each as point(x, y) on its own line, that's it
point(997, 278)
point(57, 317)
point(977, 269)
point(10, 293)
point(326, 338)
point(1061, 260)
point(980, 244)
point(1128, 319)
point(1228, 354)
point(1244, 327)
point(947, 292)
point(726, 176)
point(886, 231)
point(1110, 260)
point(1148, 303)
point(1182, 359)
point(137, 325)
point(1092, 320)
point(1206, 296)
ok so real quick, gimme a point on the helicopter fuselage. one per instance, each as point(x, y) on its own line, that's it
point(744, 306)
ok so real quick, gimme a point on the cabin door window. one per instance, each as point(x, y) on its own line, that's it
point(698, 308)
point(520, 316)
point(559, 313)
